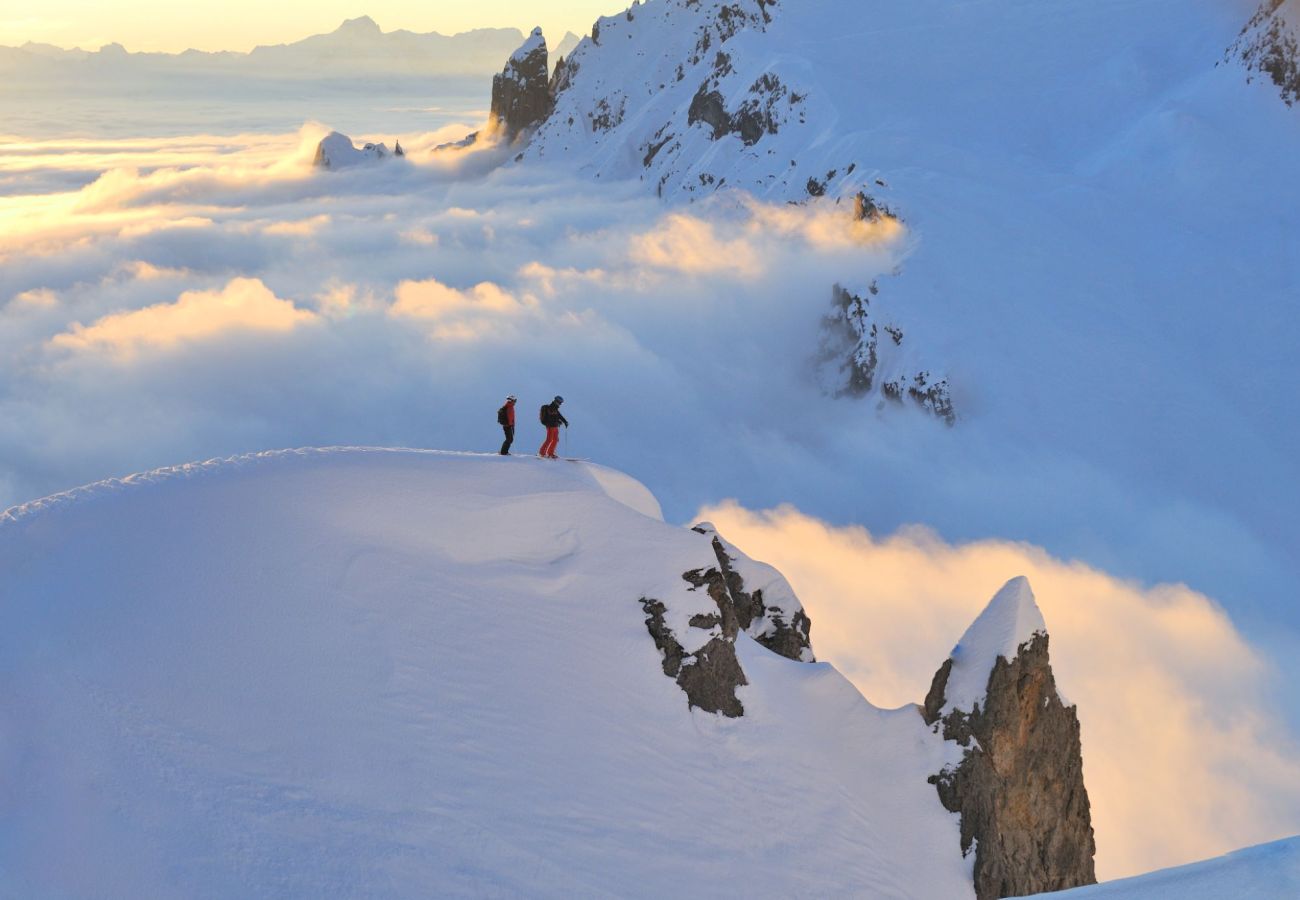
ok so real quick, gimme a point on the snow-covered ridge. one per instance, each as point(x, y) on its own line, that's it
point(612, 482)
point(311, 672)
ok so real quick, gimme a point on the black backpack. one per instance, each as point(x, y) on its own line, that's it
point(503, 417)
point(541, 415)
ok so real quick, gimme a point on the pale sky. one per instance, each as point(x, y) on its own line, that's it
point(171, 26)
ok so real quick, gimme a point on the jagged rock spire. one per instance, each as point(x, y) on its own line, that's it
point(1019, 785)
point(521, 95)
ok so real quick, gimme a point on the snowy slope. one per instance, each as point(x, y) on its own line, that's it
point(407, 673)
point(1267, 872)
point(791, 100)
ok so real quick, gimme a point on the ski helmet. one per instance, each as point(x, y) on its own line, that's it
point(559, 399)
point(511, 399)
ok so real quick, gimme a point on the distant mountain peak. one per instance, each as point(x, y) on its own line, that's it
point(360, 25)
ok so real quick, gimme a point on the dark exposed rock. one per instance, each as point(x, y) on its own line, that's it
point(713, 581)
point(851, 357)
point(562, 77)
point(1019, 786)
point(760, 113)
point(1270, 45)
point(711, 678)
point(710, 674)
point(521, 94)
point(786, 634)
point(707, 107)
point(663, 636)
point(866, 210)
point(607, 115)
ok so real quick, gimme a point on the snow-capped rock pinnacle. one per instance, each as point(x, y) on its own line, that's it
point(521, 96)
point(1011, 620)
point(1018, 784)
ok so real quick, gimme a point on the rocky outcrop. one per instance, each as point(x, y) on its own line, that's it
point(767, 611)
point(336, 151)
point(521, 94)
point(708, 675)
point(1269, 45)
point(1018, 784)
point(745, 597)
point(862, 351)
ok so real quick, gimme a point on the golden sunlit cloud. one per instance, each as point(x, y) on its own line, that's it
point(1183, 756)
point(825, 225)
point(245, 304)
point(40, 298)
point(298, 227)
point(432, 299)
point(684, 243)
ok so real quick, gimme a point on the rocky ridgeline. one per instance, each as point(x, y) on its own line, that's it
point(1018, 784)
point(1269, 45)
point(706, 100)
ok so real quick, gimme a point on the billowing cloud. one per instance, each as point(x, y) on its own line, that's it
point(1184, 755)
point(686, 243)
point(431, 299)
point(245, 304)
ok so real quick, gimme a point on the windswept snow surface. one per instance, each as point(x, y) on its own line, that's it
point(1267, 872)
point(404, 673)
point(1011, 619)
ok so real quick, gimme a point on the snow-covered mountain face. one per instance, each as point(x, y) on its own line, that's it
point(313, 673)
point(1269, 46)
point(799, 102)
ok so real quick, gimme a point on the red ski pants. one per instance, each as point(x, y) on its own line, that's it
point(552, 439)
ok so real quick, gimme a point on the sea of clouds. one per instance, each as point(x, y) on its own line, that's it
point(172, 298)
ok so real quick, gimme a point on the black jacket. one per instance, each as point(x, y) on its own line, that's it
point(552, 418)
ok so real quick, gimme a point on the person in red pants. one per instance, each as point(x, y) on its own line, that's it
point(552, 419)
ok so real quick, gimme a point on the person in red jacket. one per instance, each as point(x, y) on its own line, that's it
point(552, 419)
point(506, 419)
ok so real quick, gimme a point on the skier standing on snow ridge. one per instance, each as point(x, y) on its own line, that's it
point(552, 419)
point(506, 419)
